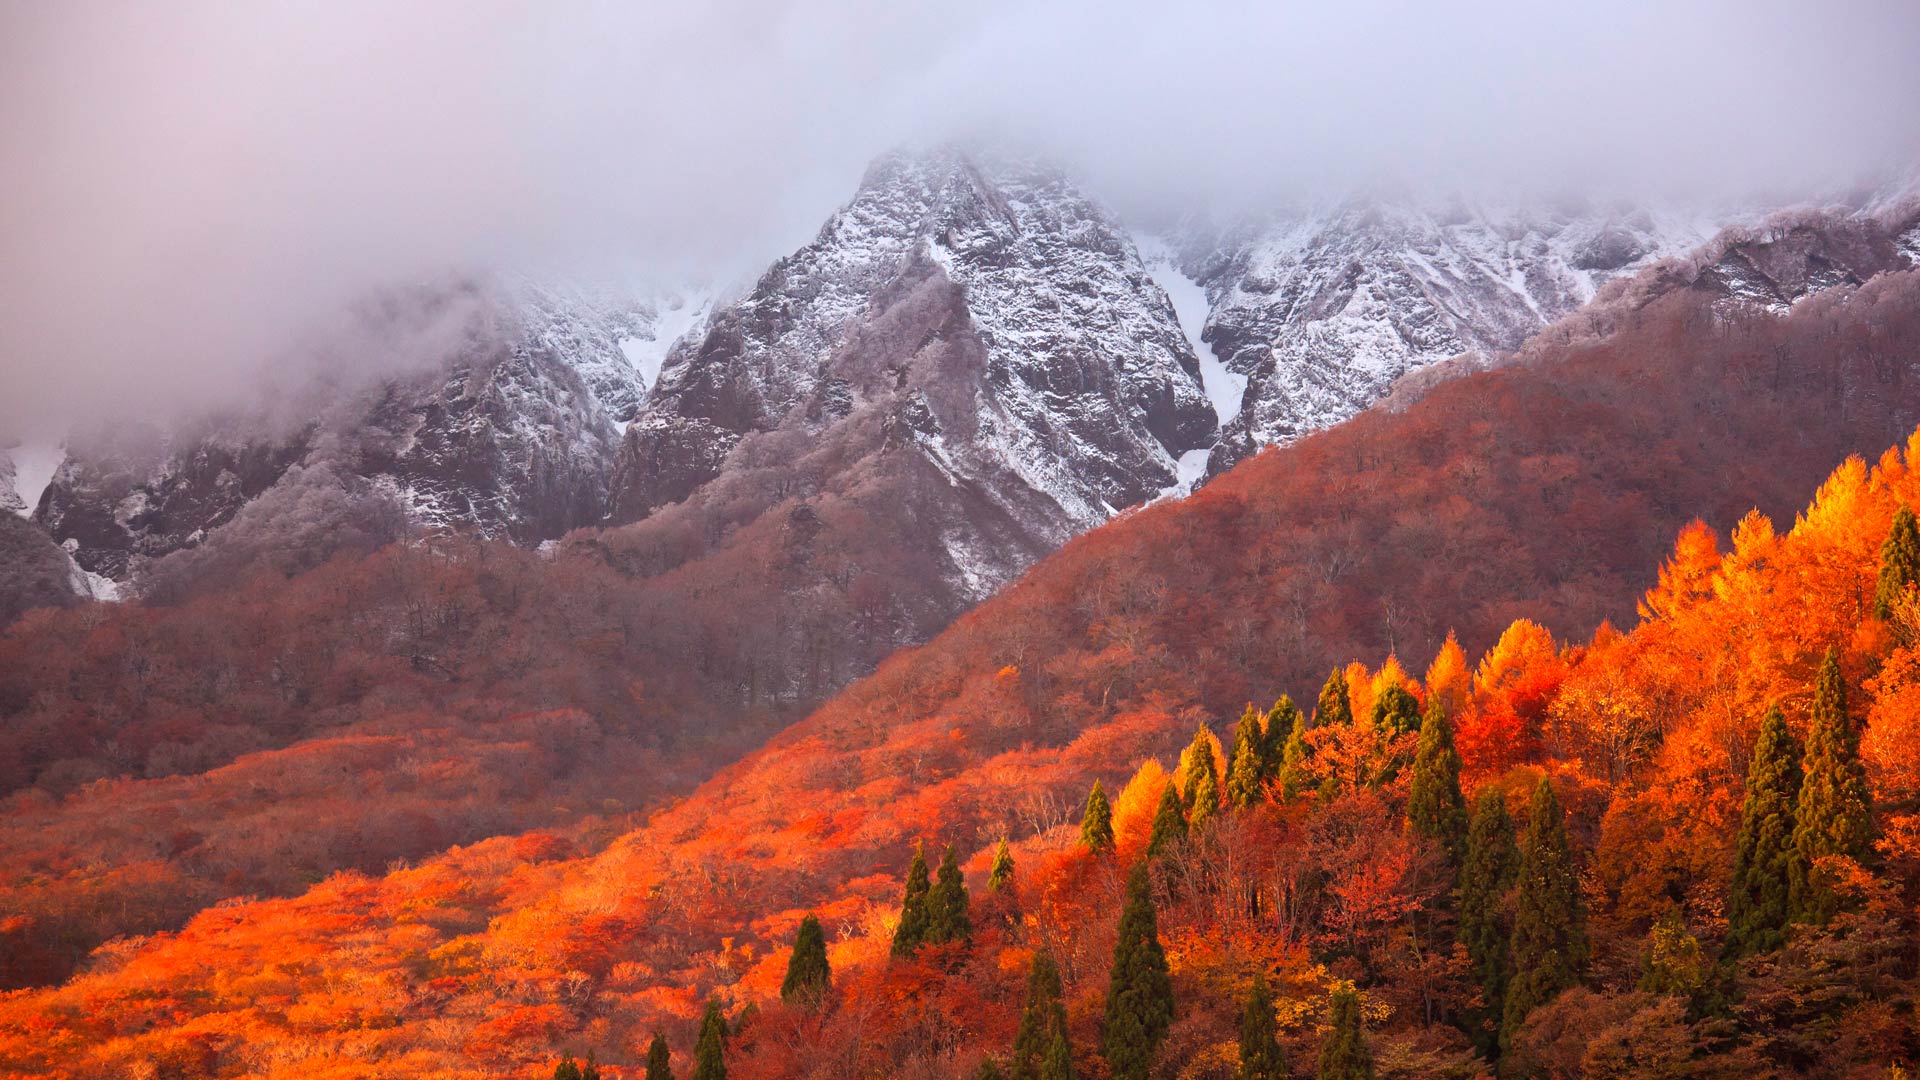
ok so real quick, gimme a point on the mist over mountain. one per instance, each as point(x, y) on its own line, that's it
point(195, 191)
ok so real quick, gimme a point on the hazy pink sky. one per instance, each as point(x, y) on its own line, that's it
point(189, 185)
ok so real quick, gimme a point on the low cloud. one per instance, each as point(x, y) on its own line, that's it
point(190, 187)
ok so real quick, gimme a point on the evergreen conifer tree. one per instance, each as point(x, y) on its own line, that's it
point(915, 915)
point(1169, 822)
point(1436, 808)
point(947, 918)
point(1344, 1054)
point(989, 1070)
point(1247, 765)
point(710, 1052)
point(1899, 563)
point(1260, 1056)
point(1000, 876)
point(1395, 712)
point(659, 1062)
point(1492, 861)
point(1140, 992)
point(1042, 1023)
point(1764, 855)
point(568, 1069)
point(1058, 1064)
point(808, 975)
point(1293, 758)
point(1096, 824)
point(1549, 937)
point(1334, 706)
point(1279, 728)
point(1834, 815)
point(1202, 791)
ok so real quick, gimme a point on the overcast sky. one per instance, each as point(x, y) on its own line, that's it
point(185, 186)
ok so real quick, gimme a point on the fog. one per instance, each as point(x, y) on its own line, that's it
point(188, 188)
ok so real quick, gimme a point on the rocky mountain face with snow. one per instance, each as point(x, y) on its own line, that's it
point(1319, 313)
point(981, 315)
point(504, 430)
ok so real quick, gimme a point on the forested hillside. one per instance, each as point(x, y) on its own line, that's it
point(1523, 509)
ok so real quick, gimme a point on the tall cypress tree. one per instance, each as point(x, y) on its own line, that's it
point(914, 914)
point(1202, 781)
point(1334, 706)
point(1279, 728)
point(1899, 563)
point(1293, 757)
point(1344, 1054)
point(1140, 992)
point(1247, 765)
point(568, 1069)
point(659, 1062)
point(1834, 814)
point(1763, 858)
point(1436, 809)
point(710, 1053)
point(1096, 824)
point(1001, 874)
point(1549, 938)
point(1395, 712)
point(1058, 1064)
point(1491, 864)
point(808, 975)
point(1260, 1056)
point(1169, 822)
point(947, 918)
point(1042, 1023)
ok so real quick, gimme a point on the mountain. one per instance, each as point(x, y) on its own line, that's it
point(1547, 490)
point(1317, 313)
point(496, 429)
point(981, 315)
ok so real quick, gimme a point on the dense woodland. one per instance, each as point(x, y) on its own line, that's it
point(1539, 845)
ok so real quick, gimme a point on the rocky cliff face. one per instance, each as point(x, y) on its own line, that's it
point(499, 432)
point(981, 314)
point(1320, 313)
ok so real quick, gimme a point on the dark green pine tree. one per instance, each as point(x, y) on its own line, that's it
point(1294, 755)
point(1169, 822)
point(1334, 707)
point(1096, 824)
point(915, 915)
point(1279, 728)
point(590, 1068)
point(568, 1069)
point(1395, 712)
point(1000, 876)
point(1486, 874)
point(1763, 853)
point(1834, 815)
point(1140, 991)
point(1260, 1056)
point(1436, 809)
point(989, 1070)
point(710, 1053)
point(659, 1062)
point(1042, 1023)
point(1549, 937)
point(947, 918)
point(1247, 764)
point(1899, 563)
point(808, 975)
point(1202, 790)
point(1058, 1064)
point(1344, 1055)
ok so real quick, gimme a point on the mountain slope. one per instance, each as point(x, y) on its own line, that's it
point(1547, 489)
point(1320, 312)
point(1063, 389)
